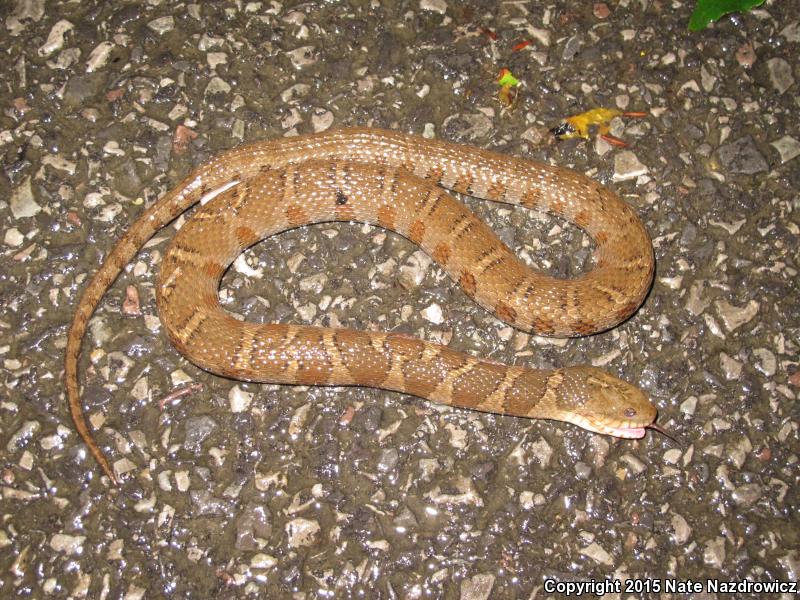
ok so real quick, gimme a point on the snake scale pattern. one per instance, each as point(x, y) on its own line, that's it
point(393, 180)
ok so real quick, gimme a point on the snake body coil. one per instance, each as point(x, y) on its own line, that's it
point(390, 179)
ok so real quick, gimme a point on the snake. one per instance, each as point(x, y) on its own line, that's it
point(397, 181)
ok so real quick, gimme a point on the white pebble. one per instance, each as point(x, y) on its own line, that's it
point(239, 399)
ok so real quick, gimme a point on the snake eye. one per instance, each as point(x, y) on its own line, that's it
point(630, 412)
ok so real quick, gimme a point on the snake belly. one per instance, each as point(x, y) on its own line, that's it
point(395, 181)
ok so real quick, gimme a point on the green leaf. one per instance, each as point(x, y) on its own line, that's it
point(711, 10)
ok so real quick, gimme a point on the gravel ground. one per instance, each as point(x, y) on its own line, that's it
point(240, 490)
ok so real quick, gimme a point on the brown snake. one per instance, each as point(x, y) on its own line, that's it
point(389, 179)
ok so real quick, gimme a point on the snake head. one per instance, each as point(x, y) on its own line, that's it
point(604, 404)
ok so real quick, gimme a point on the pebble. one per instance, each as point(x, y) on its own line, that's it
point(734, 316)
point(542, 452)
point(414, 270)
point(13, 237)
point(55, 39)
point(433, 313)
point(263, 561)
point(746, 495)
point(217, 85)
point(22, 202)
point(681, 531)
point(601, 10)
point(99, 56)
point(68, 544)
point(438, 6)
point(788, 148)
point(792, 32)
point(731, 367)
point(302, 532)
point(321, 119)
point(745, 55)
point(302, 57)
point(253, 526)
point(205, 503)
point(742, 156)
point(627, 166)
point(314, 283)
point(571, 48)
point(689, 405)
point(780, 74)
point(636, 465)
point(597, 553)
point(22, 435)
point(477, 587)
point(388, 460)
point(672, 456)
point(162, 25)
point(239, 400)
point(767, 362)
point(714, 552)
point(216, 58)
point(197, 429)
point(738, 453)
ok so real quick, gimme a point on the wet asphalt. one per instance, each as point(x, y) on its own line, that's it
point(242, 490)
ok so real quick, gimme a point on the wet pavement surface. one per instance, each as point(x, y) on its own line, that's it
point(242, 490)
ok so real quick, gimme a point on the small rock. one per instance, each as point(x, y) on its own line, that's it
point(636, 465)
point(253, 524)
point(438, 6)
point(541, 451)
point(746, 55)
point(742, 156)
point(302, 532)
point(302, 56)
point(791, 564)
point(731, 367)
point(788, 148)
point(314, 283)
point(714, 552)
point(68, 544)
point(689, 405)
point(597, 553)
point(217, 85)
point(13, 238)
point(205, 503)
point(601, 10)
point(22, 201)
point(162, 25)
point(680, 530)
point(433, 313)
point(571, 48)
point(792, 34)
point(413, 272)
point(767, 363)
point(263, 561)
point(627, 166)
point(388, 460)
point(197, 430)
point(99, 56)
point(748, 494)
point(733, 316)
point(321, 120)
point(55, 39)
point(780, 74)
point(23, 435)
point(239, 400)
point(216, 58)
point(478, 587)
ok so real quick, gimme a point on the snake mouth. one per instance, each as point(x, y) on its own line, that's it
point(628, 431)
